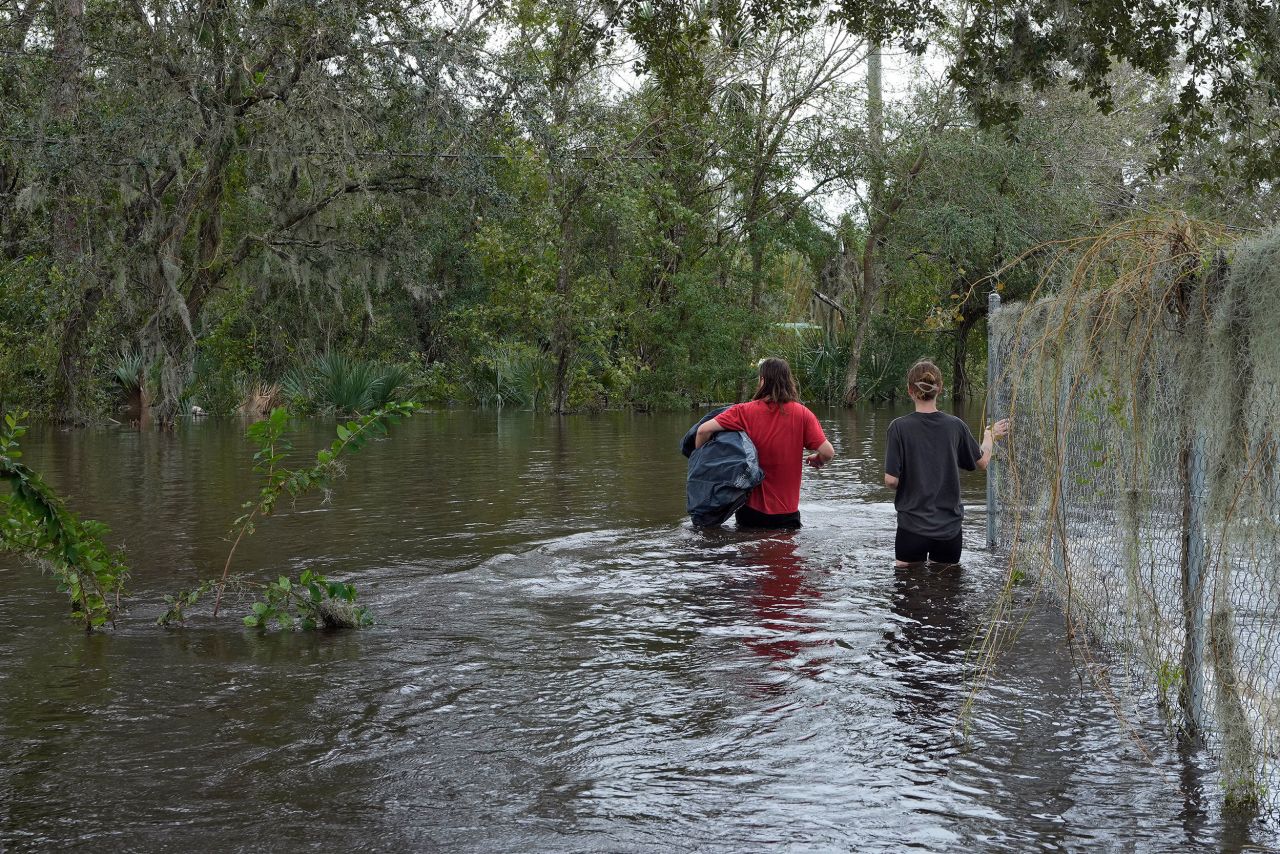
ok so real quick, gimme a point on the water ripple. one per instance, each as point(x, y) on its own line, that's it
point(562, 664)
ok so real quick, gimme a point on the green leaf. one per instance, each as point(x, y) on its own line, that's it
point(251, 621)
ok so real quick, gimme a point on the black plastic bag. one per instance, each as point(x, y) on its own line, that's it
point(722, 473)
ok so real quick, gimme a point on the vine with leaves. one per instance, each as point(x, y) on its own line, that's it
point(37, 524)
point(313, 600)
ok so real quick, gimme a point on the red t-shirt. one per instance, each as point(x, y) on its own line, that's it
point(781, 434)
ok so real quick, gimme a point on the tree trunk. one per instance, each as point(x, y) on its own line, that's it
point(562, 337)
point(66, 231)
point(757, 297)
point(960, 385)
point(71, 356)
point(10, 172)
point(876, 219)
point(178, 267)
point(209, 245)
point(870, 296)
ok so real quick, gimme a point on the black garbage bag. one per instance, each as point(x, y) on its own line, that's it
point(722, 473)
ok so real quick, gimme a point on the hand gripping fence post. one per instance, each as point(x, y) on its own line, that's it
point(993, 378)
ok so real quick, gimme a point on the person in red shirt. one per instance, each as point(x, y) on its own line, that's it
point(781, 428)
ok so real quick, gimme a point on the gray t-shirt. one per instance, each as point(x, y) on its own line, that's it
point(924, 451)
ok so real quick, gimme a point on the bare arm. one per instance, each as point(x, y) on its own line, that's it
point(822, 456)
point(890, 481)
point(705, 431)
point(989, 436)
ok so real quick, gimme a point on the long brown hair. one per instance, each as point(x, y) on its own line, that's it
point(777, 385)
point(924, 380)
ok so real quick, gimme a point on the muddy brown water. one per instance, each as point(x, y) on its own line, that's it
point(560, 663)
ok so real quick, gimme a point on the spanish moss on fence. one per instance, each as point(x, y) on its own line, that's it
point(1141, 485)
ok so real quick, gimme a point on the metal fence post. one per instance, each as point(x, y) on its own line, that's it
point(1063, 430)
point(1193, 578)
point(993, 380)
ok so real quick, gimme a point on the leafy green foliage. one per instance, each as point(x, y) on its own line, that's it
point(130, 370)
point(338, 383)
point(312, 602)
point(27, 351)
point(1169, 679)
point(559, 241)
point(278, 481)
point(178, 603)
point(818, 362)
point(37, 525)
point(1228, 55)
point(508, 375)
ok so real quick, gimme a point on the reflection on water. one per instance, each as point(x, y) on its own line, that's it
point(927, 646)
point(780, 601)
point(560, 664)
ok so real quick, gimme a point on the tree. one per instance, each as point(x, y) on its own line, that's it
point(208, 137)
point(1224, 53)
point(890, 169)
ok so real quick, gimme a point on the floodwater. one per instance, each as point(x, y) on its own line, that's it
point(560, 663)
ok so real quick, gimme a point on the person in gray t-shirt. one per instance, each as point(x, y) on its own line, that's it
point(924, 454)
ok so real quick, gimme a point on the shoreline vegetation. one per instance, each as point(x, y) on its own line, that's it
point(568, 205)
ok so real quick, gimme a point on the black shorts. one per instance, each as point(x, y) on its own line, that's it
point(913, 548)
point(749, 518)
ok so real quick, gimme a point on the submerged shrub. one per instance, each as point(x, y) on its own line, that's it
point(130, 370)
point(258, 400)
point(819, 363)
point(313, 601)
point(509, 375)
point(338, 383)
point(131, 374)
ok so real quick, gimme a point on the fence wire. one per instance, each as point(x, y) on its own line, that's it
point(1141, 486)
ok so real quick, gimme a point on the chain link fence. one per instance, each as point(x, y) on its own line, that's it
point(1141, 483)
